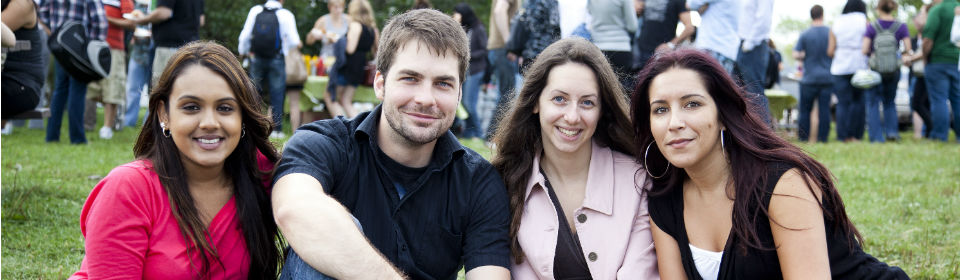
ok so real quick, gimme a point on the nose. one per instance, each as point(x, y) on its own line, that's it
point(424, 96)
point(208, 120)
point(677, 121)
point(571, 114)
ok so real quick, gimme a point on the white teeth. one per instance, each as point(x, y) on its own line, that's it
point(568, 132)
point(209, 141)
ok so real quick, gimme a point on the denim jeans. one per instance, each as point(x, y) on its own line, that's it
point(943, 83)
point(810, 93)
point(724, 61)
point(753, 67)
point(505, 72)
point(137, 77)
point(295, 268)
point(274, 71)
point(471, 94)
point(850, 109)
point(68, 94)
point(881, 127)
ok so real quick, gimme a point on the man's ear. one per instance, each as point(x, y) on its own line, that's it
point(378, 83)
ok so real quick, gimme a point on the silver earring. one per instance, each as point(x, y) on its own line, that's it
point(647, 166)
point(243, 131)
point(722, 145)
point(164, 130)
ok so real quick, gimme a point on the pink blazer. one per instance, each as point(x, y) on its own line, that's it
point(614, 234)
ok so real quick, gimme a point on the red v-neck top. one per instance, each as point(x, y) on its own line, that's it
point(130, 232)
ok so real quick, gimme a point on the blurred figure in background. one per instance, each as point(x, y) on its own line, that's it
point(815, 49)
point(22, 76)
point(882, 43)
point(361, 39)
point(849, 29)
point(139, 68)
point(717, 33)
point(942, 75)
point(754, 54)
point(329, 28)
point(613, 23)
point(478, 64)
point(110, 90)
point(659, 31)
point(504, 65)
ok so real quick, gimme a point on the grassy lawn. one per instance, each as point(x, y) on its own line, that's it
point(903, 197)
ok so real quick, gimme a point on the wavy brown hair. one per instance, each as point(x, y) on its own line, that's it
point(518, 139)
point(252, 200)
point(749, 143)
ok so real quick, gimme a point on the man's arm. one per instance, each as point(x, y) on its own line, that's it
point(159, 14)
point(955, 30)
point(500, 19)
point(831, 44)
point(321, 231)
point(488, 272)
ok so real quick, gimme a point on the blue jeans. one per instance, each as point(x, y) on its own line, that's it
point(274, 71)
point(879, 129)
point(68, 94)
point(753, 67)
point(505, 72)
point(943, 83)
point(724, 61)
point(810, 93)
point(294, 268)
point(138, 76)
point(850, 109)
point(471, 93)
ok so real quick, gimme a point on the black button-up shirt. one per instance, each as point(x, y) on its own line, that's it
point(455, 214)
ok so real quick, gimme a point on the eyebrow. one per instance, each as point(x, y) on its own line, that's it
point(681, 98)
point(582, 96)
point(445, 78)
point(197, 98)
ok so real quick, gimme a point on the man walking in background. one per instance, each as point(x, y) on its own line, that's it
point(717, 34)
point(70, 94)
point(268, 34)
point(941, 73)
point(110, 90)
point(814, 50)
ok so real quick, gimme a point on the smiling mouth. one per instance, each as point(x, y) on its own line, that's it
point(678, 143)
point(569, 132)
point(209, 141)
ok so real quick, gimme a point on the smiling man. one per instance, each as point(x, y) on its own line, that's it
point(426, 205)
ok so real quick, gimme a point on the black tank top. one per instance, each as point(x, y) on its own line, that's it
point(25, 60)
point(845, 263)
point(568, 260)
point(353, 69)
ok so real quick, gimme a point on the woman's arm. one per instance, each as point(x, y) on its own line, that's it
point(18, 14)
point(865, 48)
point(353, 36)
point(115, 223)
point(668, 254)
point(317, 33)
point(798, 228)
point(831, 44)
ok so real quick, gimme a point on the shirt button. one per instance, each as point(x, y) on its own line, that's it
point(582, 218)
point(592, 256)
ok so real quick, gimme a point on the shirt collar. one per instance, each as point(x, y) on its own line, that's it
point(600, 180)
point(447, 149)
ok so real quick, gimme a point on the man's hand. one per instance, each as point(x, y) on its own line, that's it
point(703, 9)
point(746, 46)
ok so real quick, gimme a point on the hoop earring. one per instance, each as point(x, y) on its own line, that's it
point(164, 130)
point(243, 131)
point(723, 146)
point(647, 166)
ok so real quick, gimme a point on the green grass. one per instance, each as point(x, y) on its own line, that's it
point(903, 197)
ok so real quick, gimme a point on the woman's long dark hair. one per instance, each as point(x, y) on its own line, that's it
point(749, 143)
point(518, 137)
point(252, 200)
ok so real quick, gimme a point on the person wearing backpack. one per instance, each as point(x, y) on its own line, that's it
point(882, 44)
point(268, 34)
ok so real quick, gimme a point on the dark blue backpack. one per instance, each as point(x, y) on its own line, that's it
point(265, 41)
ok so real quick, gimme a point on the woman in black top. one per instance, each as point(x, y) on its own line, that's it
point(723, 182)
point(23, 68)
point(361, 39)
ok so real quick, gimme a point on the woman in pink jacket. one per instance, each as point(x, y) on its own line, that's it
point(576, 194)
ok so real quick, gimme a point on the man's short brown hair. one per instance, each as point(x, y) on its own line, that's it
point(433, 29)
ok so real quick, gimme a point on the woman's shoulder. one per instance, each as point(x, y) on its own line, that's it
point(132, 176)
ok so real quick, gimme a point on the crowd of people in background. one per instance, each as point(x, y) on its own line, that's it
point(622, 148)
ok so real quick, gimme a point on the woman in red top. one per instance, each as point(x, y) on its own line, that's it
point(194, 205)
